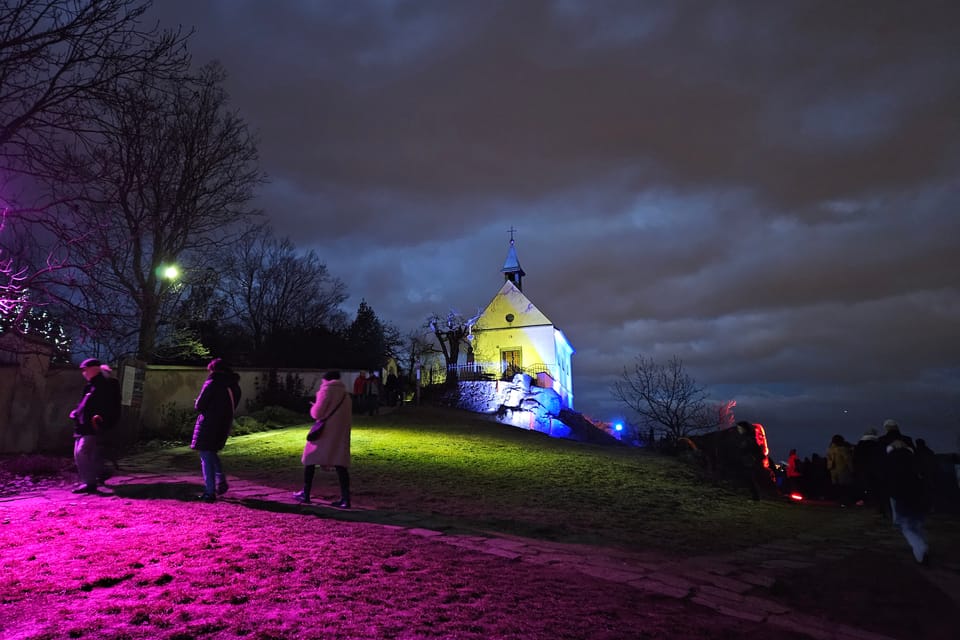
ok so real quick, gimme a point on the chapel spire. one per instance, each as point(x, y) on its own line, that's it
point(512, 271)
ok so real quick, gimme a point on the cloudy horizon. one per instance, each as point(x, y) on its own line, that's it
point(765, 190)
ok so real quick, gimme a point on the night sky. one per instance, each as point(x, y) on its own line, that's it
point(768, 190)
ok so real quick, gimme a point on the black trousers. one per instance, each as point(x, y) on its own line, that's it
point(343, 477)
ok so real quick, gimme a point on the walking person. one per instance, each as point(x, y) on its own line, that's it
point(331, 446)
point(98, 411)
point(218, 400)
point(891, 433)
point(908, 496)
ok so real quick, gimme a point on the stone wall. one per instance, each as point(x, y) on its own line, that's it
point(517, 403)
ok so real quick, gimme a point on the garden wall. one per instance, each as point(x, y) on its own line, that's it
point(36, 398)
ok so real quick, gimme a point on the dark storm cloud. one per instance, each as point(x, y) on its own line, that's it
point(767, 190)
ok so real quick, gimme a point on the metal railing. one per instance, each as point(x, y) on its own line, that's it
point(484, 371)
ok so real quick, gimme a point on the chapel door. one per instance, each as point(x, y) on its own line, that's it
point(511, 362)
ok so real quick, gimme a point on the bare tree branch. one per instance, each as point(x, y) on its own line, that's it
point(665, 397)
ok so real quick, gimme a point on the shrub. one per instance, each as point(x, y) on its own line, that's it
point(289, 393)
point(266, 419)
point(176, 423)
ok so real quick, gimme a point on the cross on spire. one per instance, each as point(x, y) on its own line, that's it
point(511, 231)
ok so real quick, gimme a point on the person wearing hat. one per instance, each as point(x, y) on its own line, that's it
point(218, 401)
point(97, 412)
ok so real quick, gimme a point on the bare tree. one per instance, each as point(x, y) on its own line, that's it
point(451, 333)
point(417, 345)
point(56, 55)
point(269, 287)
point(665, 397)
point(173, 172)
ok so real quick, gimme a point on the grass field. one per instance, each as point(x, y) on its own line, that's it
point(461, 470)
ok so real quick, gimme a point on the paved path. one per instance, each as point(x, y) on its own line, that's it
point(737, 584)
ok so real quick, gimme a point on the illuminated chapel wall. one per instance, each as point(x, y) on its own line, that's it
point(528, 330)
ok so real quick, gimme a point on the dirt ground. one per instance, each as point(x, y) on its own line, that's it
point(112, 567)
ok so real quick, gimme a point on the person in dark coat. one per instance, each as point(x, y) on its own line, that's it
point(890, 435)
point(98, 411)
point(868, 456)
point(908, 496)
point(218, 400)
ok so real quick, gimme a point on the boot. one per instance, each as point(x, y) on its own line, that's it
point(344, 477)
point(304, 496)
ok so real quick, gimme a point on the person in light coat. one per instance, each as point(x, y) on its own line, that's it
point(840, 464)
point(332, 448)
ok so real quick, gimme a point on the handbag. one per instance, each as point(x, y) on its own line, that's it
point(318, 425)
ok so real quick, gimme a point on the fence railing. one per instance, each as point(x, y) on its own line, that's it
point(484, 371)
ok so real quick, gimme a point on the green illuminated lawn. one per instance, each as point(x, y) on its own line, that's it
point(455, 470)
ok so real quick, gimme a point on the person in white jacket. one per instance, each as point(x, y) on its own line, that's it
point(332, 447)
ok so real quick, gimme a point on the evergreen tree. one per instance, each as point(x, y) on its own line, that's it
point(371, 341)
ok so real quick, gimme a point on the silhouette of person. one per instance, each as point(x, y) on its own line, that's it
point(97, 411)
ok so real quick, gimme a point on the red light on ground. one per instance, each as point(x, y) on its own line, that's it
point(796, 496)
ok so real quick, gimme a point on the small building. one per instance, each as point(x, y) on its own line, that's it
point(513, 336)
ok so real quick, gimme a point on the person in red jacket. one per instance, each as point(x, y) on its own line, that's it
point(793, 471)
point(359, 387)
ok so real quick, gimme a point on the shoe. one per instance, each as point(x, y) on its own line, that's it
point(340, 504)
point(222, 488)
point(206, 497)
point(85, 488)
point(301, 497)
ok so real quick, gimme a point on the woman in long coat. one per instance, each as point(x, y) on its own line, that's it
point(332, 448)
point(218, 399)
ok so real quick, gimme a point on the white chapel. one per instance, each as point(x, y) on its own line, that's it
point(513, 336)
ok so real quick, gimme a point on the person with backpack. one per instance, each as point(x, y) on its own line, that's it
point(907, 491)
point(97, 412)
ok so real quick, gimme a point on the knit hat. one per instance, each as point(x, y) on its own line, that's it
point(891, 425)
point(89, 362)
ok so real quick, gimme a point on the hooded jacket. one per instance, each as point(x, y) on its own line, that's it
point(216, 410)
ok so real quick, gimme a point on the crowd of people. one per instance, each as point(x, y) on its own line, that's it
point(99, 410)
point(889, 472)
